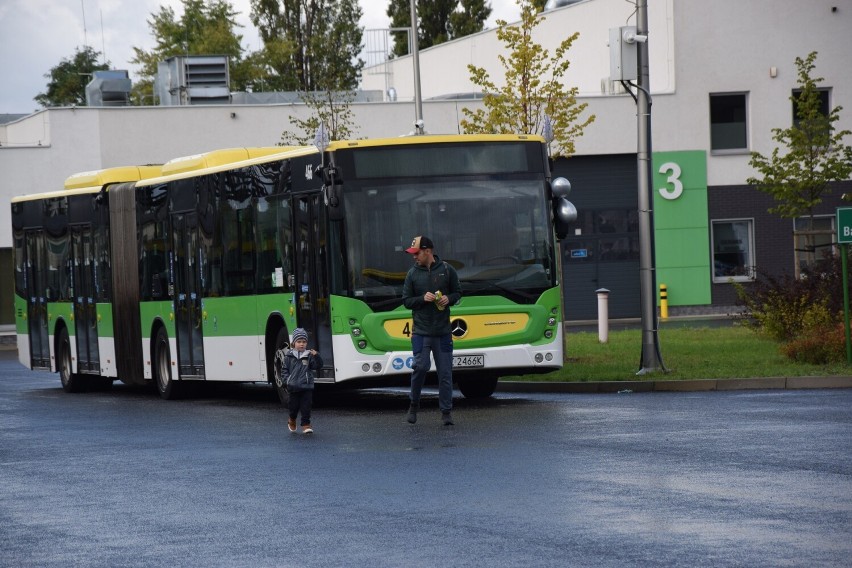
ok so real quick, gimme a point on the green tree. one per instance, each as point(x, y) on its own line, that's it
point(68, 80)
point(533, 99)
point(310, 45)
point(814, 155)
point(206, 27)
point(438, 21)
point(329, 109)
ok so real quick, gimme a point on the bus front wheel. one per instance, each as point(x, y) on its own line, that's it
point(281, 342)
point(478, 387)
point(70, 382)
point(167, 387)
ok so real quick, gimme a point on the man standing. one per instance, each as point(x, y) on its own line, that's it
point(431, 286)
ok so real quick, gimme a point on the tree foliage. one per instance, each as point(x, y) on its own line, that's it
point(533, 98)
point(68, 80)
point(814, 154)
point(438, 21)
point(206, 27)
point(310, 45)
point(331, 110)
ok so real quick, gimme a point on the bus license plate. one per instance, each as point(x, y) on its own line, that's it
point(468, 360)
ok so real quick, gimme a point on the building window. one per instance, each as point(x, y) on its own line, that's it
point(733, 250)
point(728, 132)
point(814, 239)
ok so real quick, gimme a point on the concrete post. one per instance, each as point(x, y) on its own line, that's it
point(603, 315)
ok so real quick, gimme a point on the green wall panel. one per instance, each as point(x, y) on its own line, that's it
point(681, 233)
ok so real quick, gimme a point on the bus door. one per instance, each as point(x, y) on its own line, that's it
point(187, 297)
point(311, 278)
point(84, 299)
point(37, 299)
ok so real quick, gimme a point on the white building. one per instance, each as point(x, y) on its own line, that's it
point(721, 75)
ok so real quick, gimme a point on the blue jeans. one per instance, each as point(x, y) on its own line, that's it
point(441, 348)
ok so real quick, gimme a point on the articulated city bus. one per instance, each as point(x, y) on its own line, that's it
point(200, 269)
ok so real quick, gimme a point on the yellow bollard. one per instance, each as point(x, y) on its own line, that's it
point(664, 302)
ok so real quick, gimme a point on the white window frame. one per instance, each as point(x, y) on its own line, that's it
point(751, 261)
point(728, 151)
point(801, 256)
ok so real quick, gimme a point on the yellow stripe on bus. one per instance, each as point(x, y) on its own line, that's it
point(478, 326)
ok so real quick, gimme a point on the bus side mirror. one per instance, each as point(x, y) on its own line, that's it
point(564, 213)
point(334, 201)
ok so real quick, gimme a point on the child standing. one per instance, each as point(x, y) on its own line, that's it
point(298, 370)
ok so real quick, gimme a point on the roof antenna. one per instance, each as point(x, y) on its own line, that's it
point(103, 41)
point(85, 35)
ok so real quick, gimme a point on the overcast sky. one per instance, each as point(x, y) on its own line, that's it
point(35, 35)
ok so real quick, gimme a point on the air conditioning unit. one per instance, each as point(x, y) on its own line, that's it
point(108, 88)
point(193, 80)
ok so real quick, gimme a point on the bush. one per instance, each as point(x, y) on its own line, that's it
point(819, 346)
point(788, 308)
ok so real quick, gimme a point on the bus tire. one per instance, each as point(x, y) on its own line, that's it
point(166, 386)
point(478, 387)
point(71, 382)
point(281, 341)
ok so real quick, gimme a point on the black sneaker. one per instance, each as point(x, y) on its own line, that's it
point(412, 413)
point(447, 419)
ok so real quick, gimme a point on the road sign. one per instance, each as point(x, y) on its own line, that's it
point(844, 224)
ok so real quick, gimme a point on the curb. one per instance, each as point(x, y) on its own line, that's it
point(691, 385)
point(696, 385)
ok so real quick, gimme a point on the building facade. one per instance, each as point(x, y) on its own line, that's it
point(722, 74)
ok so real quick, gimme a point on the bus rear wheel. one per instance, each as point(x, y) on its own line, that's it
point(71, 382)
point(478, 387)
point(167, 387)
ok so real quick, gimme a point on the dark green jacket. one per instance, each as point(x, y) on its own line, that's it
point(428, 319)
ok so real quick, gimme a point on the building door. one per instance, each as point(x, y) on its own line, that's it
point(602, 249)
point(187, 298)
point(36, 273)
point(84, 300)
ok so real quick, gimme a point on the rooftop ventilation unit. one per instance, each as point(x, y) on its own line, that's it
point(108, 88)
point(193, 80)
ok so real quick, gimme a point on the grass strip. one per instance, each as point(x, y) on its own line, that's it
point(731, 352)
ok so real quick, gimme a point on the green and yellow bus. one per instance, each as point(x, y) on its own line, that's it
point(199, 269)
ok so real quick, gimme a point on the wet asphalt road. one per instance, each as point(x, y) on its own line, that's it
point(121, 478)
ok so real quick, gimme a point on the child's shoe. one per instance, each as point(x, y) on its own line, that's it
point(306, 429)
point(291, 424)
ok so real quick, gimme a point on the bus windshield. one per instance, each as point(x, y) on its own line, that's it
point(493, 230)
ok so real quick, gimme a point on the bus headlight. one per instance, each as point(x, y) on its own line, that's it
point(539, 358)
point(551, 321)
point(356, 331)
point(548, 356)
point(365, 367)
point(377, 367)
point(362, 344)
point(548, 334)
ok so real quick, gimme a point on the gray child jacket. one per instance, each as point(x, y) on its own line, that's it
point(298, 369)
